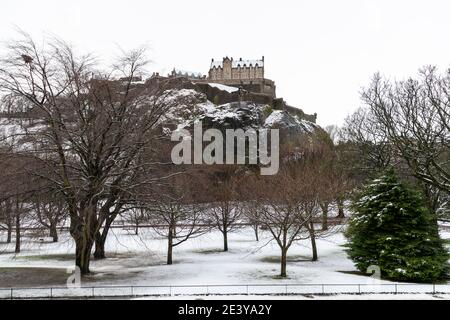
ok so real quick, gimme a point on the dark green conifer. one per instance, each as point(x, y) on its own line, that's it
point(391, 228)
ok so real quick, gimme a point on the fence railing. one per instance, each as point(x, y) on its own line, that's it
point(92, 292)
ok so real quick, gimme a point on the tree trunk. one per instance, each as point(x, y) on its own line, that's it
point(9, 220)
point(312, 235)
point(225, 240)
point(170, 246)
point(83, 232)
point(9, 233)
point(256, 232)
point(136, 229)
point(17, 250)
point(53, 232)
point(283, 262)
point(340, 204)
point(100, 239)
point(324, 207)
point(83, 249)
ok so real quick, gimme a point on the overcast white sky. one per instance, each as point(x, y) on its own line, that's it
point(320, 53)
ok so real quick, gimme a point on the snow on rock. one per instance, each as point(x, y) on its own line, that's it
point(290, 126)
point(283, 120)
point(181, 106)
point(274, 117)
point(208, 106)
point(223, 87)
point(186, 106)
point(235, 115)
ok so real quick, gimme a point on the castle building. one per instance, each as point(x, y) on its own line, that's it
point(228, 69)
point(247, 74)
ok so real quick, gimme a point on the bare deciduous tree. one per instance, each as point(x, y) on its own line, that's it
point(289, 208)
point(135, 216)
point(49, 211)
point(6, 219)
point(176, 213)
point(15, 191)
point(88, 133)
point(415, 116)
point(366, 136)
point(224, 210)
point(251, 212)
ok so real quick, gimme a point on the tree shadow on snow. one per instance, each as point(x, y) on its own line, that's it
point(292, 258)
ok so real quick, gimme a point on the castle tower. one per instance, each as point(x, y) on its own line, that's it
point(227, 66)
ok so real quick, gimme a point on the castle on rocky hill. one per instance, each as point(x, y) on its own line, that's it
point(240, 80)
point(246, 74)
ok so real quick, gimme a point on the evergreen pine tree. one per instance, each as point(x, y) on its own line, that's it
point(392, 228)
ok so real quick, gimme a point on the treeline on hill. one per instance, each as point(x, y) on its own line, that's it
point(95, 151)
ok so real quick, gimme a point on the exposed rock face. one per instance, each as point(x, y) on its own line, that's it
point(189, 106)
point(220, 95)
point(243, 115)
point(290, 126)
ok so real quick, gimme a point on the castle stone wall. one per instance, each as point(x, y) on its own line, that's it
point(239, 73)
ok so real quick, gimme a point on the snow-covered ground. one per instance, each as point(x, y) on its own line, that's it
point(140, 261)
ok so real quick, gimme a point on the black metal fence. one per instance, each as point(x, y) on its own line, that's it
point(97, 292)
